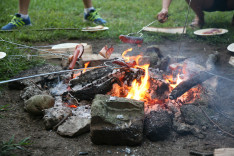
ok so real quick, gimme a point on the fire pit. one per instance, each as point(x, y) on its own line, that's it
point(123, 99)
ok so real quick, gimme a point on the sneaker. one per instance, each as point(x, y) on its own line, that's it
point(93, 16)
point(17, 21)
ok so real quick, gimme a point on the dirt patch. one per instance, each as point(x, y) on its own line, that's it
point(15, 121)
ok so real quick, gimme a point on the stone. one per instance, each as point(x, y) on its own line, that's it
point(54, 115)
point(116, 121)
point(36, 104)
point(157, 125)
point(193, 115)
point(184, 129)
point(74, 126)
point(30, 91)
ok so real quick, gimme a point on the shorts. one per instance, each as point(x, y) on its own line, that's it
point(218, 5)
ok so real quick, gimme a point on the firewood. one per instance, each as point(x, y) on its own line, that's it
point(198, 79)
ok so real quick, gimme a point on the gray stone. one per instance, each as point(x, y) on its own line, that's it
point(54, 115)
point(74, 126)
point(184, 129)
point(30, 91)
point(157, 125)
point(116, 121)
point(36, 104)
point(193, 115)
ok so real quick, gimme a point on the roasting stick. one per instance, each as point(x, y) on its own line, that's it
point(30, 47)
point(185, 25)
point(45, 74)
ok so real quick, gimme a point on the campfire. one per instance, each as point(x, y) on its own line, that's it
point(136, 81)
point(122, 91)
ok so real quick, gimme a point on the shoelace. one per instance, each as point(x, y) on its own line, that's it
point(17, 21)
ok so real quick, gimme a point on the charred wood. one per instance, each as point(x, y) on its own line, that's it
point(91, 75)
point(89, 92)
point(198, 79)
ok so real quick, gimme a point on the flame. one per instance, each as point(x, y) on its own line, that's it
point(83, 71)
point(173, 83)
point(138, 89)
point(178, 81)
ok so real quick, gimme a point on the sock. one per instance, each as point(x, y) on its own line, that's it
point(24, 16)
point(87, 10)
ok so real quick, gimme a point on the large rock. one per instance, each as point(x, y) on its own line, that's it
point(74, 126)
point(116, 121)
point(36, 104)
point(157, 125)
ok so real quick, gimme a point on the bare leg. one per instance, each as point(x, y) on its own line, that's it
point(198, 6)
point(23, 6)
point(87, 3)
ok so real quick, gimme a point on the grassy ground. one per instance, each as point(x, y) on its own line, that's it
point(123, 17)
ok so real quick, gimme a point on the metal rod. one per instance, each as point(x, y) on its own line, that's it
point(185, 25)
point(45, 74)
point(22, 45)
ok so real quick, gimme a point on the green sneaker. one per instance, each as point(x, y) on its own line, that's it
point(93, 16)
point(17, 21)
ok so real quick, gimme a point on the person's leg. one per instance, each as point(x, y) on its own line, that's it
point(20, 19)
point(90, 14)
point(87, 3)
point(198, 7)
point(23, 6)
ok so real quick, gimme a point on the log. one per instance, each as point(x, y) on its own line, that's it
point(198, 79)
point(188, 84)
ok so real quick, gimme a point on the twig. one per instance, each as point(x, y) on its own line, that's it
point(64, 118)
point(73, 98)
point(36, 85)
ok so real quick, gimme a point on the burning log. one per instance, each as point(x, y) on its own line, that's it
point(91, 76)
point(198, 79)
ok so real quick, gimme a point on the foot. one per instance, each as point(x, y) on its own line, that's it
point(17, 21)
point(93, 16)
point(197, 23)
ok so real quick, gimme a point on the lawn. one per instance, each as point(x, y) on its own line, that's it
point(123, 17)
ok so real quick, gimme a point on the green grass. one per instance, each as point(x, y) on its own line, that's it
point(7, 148)
point(123, 17)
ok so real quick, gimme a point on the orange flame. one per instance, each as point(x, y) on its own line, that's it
point(178, 81)
point(169, 79)
point(83, 71)
point(139, 89)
